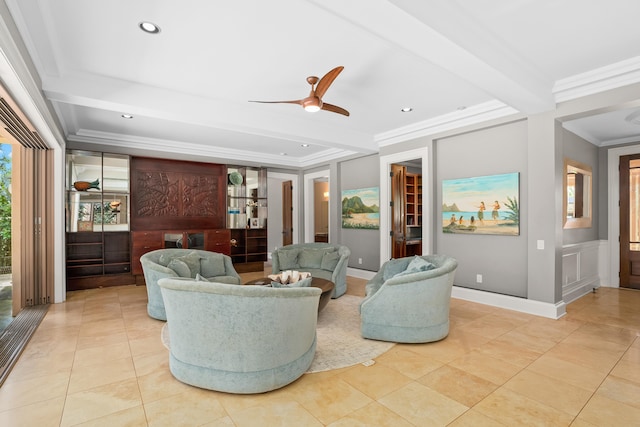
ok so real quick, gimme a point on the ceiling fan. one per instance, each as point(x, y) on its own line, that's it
point(313, 102)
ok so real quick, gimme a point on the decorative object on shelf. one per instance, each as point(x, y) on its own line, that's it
point(255, 223)
point(115, 206)
point(86, 185)
point(233, 242)
point(235, 178)
point(85, 225)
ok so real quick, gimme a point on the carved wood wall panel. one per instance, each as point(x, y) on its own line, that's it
point(170, 194)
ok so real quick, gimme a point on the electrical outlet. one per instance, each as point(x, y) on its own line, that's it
point(359, 260)
point(478, 278)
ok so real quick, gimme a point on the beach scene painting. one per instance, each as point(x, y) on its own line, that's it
point(482, 205)
point(361, 208)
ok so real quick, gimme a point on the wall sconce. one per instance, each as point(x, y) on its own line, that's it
point(325, 195)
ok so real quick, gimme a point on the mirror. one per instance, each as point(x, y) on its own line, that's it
point(578, 194)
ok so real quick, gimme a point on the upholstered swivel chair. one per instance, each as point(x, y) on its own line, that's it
point(188, 263)
point(409, 304)
point(239, 339)
point(324, 260)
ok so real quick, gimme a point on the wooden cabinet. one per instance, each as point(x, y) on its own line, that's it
point(97, 220)
point(97, 259)
point(84, 254)
point(406, 194)
point(117, 257)
point(248, 249)
point(217, 240)
point(413, 215)
point(247, 217)
point(413, 200)
point(141, 243)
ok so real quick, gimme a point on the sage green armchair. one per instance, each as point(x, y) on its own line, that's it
point(408, 300)
point(324, 260)
point(239, 339)
point(189, 263)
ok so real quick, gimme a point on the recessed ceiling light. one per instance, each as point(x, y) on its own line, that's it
point(462, 107)
point(149, 27)
point(304, 145)
point(283, 154)
point(406, 109)
point(127, 116)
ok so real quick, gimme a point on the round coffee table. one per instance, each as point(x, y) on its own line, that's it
point(316, 282)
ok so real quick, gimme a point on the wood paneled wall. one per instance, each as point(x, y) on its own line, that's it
point(171, 194)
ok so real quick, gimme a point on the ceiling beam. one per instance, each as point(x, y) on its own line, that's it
point(443, 34)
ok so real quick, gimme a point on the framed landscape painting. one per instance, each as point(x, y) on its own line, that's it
point(360, 208)
point(482, 205)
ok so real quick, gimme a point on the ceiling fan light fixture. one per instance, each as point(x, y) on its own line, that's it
point(312, 108)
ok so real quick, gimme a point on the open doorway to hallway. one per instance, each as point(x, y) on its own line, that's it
point(6, 288)
point(406, 208)
point(321, 209)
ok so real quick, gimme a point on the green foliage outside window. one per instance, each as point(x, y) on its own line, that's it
point(5, 206)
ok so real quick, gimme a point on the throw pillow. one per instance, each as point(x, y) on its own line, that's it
point(164, 259)
point(330, 260)
point(193, 262)
point(199, 278)
point(311, 258)
point(394, 267)
point(288, 259)
point(420, 264)
point(180, 267)
point(212, 266)
point(416, 265)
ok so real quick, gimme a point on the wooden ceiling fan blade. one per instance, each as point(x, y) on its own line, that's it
point(334, 109)
point(297, 101)
point(326, 81)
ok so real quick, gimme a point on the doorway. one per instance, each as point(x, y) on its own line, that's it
point(321, 210)
point(630, 221)
point(418, 157)
point(406, 208)
point(287, 213)
point(313, 198)
point(275, 188)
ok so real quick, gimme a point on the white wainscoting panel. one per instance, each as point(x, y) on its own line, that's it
point(580, 265)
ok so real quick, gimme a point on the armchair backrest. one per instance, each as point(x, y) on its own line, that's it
point(231, 331)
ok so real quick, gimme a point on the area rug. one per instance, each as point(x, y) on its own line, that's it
point(339, 341)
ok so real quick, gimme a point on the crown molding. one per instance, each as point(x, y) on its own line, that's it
point(612, 76)
point(180, 147)
point(472, 115)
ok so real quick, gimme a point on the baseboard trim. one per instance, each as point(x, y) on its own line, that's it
point(360, 274)
point(538, 308)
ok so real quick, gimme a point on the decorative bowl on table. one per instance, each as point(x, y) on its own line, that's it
point(289, 276)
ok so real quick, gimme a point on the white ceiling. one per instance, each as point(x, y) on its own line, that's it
point(455, 62)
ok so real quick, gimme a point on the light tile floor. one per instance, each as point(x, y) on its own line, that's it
point(97, 360)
